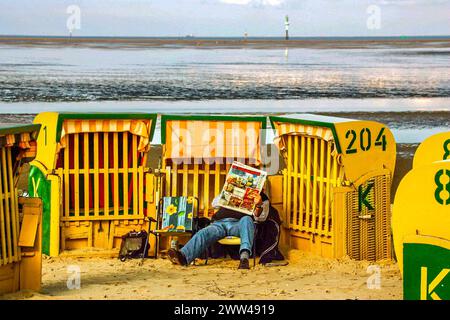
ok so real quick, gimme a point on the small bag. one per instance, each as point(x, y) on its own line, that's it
point(134, 245)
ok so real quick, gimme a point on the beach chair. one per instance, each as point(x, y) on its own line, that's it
point(175, 216)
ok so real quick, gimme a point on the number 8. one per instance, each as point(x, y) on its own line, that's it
point(441, 187)
point(446, 149)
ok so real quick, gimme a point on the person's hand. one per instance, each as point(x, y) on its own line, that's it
point(258, 203)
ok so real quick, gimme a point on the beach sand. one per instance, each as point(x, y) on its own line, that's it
point(306, 277)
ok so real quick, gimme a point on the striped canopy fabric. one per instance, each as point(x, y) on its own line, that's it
point(200, 139)
point(22, 140)
point(141, 128)
point(300, 129)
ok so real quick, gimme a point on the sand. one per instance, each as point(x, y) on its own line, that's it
point(306, 277)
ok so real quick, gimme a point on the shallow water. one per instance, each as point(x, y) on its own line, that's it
point(408, 89)
point(58, 73)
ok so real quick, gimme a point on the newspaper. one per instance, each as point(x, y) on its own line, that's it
point(242, 184)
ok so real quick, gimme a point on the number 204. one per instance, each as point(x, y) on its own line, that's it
point(363, 140)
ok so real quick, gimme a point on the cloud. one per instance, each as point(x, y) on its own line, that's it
point(272, 3)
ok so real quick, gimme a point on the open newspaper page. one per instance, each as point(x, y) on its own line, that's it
point(242, 185)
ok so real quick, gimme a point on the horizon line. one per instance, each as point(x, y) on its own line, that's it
point(218, 37)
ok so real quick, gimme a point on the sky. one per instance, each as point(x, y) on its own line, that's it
point(226, 18)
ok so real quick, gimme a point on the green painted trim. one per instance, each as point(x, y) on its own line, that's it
point(329, 125)
point(165, 118)
point(44, 192)
point(101, 116)
point(19, 128)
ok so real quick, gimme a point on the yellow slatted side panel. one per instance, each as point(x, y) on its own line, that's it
point(102, 177)
point(312, 171)
point(368, 230)
point(9, 215)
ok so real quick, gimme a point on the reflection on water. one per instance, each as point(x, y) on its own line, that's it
point(89, 74)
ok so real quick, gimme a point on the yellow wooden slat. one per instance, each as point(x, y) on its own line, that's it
point(185, 180)
point(116, 172)
point(86, 174)
point(3, 257)
point(14, 212)
point(314, 195)
point(135, 174)
point(76, 147)
point(141, 193)
point(168, 181)
point(296, 217)
point(67, 177)
point(302, 181)
point(328, 188)
point(96, 175)
point(285, 182)
point(125, 174)
point(335, 170)
point(174, 179)
point(319, 227)
point(106, 175)
point(7, 208)
point(205, 193)
point(308, 182)
point(217, 179)
point(82, 219)
point(289, 184)
point(195, 180)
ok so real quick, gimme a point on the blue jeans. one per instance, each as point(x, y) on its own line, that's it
point(242, 228)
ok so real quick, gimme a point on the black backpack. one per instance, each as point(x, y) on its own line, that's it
point(134, 245)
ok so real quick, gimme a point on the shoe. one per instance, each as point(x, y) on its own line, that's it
point(244, 264)
point(176, 257)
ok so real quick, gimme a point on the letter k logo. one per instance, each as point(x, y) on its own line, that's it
point(362, 197)
point(426, 289)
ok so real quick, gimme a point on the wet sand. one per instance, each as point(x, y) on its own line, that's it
point(306, 277)
point(231, 43)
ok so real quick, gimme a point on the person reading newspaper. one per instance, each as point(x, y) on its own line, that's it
point(226, 222)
